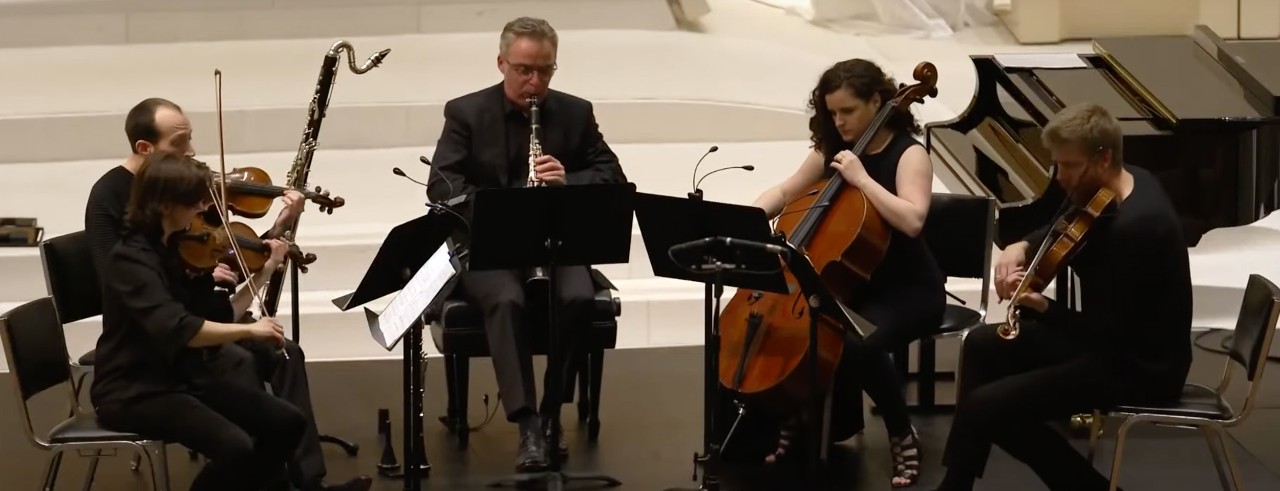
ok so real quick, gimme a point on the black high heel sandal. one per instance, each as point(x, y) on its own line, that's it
point(906, 459)
point(786, 435)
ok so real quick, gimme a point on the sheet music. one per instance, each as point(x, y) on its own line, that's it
point(414, 298)
point(1041, 60)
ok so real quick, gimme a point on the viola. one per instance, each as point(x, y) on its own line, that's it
point(1063, 241)
point(250, 193)
point(203, 246)
point(764, 337)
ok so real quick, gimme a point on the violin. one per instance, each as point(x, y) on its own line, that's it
point(203, 246)
point(250, 193)
point(1063, 241)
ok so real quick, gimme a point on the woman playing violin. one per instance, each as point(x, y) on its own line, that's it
point(157, 329)
point(906, 298)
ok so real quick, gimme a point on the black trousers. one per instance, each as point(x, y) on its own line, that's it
point(249, 364)
point(1010, 389)
point(500, 296)
point(901, 316)
point(246, 433)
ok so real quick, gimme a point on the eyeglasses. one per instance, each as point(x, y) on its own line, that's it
point(523, 70)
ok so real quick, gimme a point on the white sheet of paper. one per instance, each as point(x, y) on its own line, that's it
point(413, 299)
point(1041, 60)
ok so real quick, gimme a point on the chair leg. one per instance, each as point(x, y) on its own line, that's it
point(91, 473)
point(1231, 460)
point(51, 473)
point(1215, 449)
point(450, 418)
point(462, 368)
point(159, 466)
point(582, 374)
point(925, 387)
point(1095, 432)
point(1121, 434)
point(595, 375)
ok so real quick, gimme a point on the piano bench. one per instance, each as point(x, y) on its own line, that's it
point(457, 331)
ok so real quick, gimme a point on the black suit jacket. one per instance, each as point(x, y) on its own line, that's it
point(472, 151)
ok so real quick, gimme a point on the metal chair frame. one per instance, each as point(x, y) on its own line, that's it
point(150, 451)
point(1214, 430)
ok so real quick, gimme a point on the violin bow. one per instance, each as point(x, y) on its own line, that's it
point(220, 201)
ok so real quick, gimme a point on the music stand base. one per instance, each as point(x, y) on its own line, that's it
point(552, 480)
point(351, 448)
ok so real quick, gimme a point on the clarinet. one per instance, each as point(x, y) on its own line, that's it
point(535, 151)
point(301, 167)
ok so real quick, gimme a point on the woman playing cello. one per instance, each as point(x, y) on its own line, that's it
point(158, 327)
point(905, 299)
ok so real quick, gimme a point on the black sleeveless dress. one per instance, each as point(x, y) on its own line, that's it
point(905, 299)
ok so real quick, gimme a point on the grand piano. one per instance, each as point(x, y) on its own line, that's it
point(1201, 113)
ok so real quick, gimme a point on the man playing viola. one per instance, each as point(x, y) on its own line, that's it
point(1129, 344)
point(159, 126)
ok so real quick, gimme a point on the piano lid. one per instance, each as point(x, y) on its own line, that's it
point(1252, 62)
point(1183, 83)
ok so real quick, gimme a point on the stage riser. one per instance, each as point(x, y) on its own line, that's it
point(77, 22)
point(101, 136)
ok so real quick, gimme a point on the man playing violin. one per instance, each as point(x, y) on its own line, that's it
point(157, 331)
point(1129, 344)
point(485, 144)
point(156, 126)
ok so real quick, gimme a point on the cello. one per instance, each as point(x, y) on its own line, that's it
point(764, 337)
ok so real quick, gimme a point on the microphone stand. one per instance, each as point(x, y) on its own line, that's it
point(710, 457)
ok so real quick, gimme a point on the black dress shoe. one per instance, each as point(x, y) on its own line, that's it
point(358, 483)
point(562, 445)
point(533, 451)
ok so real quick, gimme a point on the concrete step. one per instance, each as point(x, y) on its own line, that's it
point(82, 22)
point(699, 96)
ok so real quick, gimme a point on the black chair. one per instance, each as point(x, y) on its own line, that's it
point(37, 353)
point(457, 329)
point(960, 233)
point(72, 281)
point(1205, 408)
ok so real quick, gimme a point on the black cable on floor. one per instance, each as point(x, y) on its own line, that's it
point(1224, 346)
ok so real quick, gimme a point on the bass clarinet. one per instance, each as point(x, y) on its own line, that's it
point(301, 167)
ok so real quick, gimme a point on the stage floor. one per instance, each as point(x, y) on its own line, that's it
point(651, 425)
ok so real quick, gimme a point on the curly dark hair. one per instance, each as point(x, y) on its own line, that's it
point(864, 79)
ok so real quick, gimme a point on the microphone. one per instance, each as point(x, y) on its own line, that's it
point(433, 206)
point(401, 173)
point(704, 176)
point(730, 242)
point(698, 194)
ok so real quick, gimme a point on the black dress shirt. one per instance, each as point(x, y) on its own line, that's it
point(150, 312)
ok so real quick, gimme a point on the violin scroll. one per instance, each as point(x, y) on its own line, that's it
point(327, 204)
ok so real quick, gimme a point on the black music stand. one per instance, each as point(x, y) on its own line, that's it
point(685, 241)
point(521, 228)
point(407, 248)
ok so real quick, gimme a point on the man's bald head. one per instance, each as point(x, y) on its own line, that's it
point(158, 125)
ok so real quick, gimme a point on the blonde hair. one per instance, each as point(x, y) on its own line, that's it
point(1087, 126)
